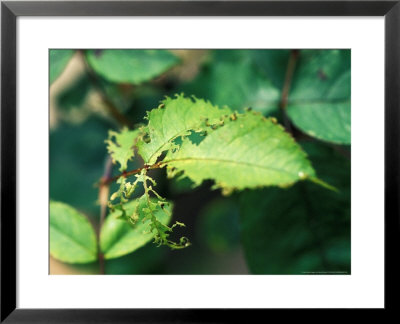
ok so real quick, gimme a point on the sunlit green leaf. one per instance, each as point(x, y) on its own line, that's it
point(120, 146)
point(176, 117)
point(72, 238)
point(248, 151)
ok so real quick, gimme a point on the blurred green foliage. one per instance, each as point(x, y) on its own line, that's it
point(146, 260)
point(301, 229)
point(77, 157)
point(74, 95)
point(58, 61)
point(304, 228)
point(231, 78)
point(130, 66)
point(219, 225)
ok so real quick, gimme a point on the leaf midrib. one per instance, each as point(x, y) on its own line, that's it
point(228, 161)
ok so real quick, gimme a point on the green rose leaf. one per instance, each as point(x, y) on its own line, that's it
point(319, 100)
point(175, 117)
point(72, 238)
point(248, 151)
point(120, 146)
point(130, 65)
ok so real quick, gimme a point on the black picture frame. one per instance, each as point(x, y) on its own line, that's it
point(10, 10)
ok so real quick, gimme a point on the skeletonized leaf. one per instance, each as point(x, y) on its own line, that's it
point(121, 149)
point(130, 65)
point(118, 237)
point(72, 238)
point(172, 119)
point(58, 61)
point(319, 99)
point(249, 151)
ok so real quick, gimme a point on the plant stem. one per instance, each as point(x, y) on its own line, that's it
point(104, 187)
point(111, 108)
point(104, 191)
point(132, 172)
point(294, 54)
